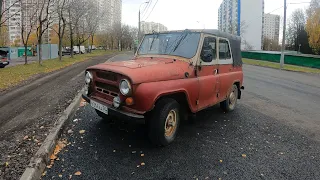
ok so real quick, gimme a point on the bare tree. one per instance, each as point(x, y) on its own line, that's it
point(295, 27)
point(92, 19)
point(43, 22)
point(30, 11)
point(6, 11)
point(76, 11)
point(62, 23)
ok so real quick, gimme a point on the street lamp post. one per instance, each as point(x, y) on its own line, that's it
point(139, 25)
point(299, 49)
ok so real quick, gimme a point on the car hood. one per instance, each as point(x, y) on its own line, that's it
point(144, 70)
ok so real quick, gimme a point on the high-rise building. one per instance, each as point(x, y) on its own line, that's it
point(243, 18)
point(271, 27)
point(149, 27)
point(21, 13)
point(110, 12)
point(13, 19)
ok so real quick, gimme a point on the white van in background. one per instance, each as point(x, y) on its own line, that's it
point(76, 49)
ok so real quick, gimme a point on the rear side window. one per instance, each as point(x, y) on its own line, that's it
point(224, 50)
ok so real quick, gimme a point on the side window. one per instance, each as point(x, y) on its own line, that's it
point(209, 50)
point(224, 50)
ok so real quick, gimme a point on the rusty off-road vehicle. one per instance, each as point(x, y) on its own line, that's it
point(173, 74)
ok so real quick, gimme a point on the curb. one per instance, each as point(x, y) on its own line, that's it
point(40, 160)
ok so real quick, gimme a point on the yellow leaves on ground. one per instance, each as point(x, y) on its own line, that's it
point(82, 131)
point(277, 66)
point(11, 76)
point(78, 173)
point(244, 155)
point(60, 145)
point(83, 102)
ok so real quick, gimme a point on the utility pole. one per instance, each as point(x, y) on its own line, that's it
point(139, 25)
point(284, 34)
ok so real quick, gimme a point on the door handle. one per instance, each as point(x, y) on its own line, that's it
point(215, 71)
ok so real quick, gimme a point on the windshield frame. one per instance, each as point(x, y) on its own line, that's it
point(181, 34)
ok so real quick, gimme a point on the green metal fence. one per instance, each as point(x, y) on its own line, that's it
point(299, 60)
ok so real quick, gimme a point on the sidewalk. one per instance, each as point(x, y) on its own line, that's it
point(20, 60)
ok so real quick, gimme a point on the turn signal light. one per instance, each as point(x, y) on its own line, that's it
point(129, 101)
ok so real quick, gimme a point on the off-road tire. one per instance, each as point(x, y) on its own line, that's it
point(158, 122)
point(230, 103)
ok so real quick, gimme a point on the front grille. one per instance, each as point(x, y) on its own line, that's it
point(107, 88)
point(107, 75)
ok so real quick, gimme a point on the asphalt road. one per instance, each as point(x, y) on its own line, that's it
point(272, 134)
point(28, 112)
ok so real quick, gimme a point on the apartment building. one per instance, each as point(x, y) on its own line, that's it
point(271, 27)
point(110, 12)
point(149, 27)
point(243, 18)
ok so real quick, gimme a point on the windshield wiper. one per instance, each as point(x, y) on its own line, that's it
point(153, 41)
point(180, 40)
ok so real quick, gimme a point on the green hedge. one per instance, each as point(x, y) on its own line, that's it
point(299, 60)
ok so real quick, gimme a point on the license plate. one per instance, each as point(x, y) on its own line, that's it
point(99, 107)
point(4, 62)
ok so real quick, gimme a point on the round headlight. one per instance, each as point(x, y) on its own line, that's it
point(88, 77)
point(125, 87)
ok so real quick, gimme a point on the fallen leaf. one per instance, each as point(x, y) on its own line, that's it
point(41, 127)
point(142, 155)
point(70, 176)
point(7, 164)
point(114, 150)
point(244, 156)
point(221, 161)
point(75, 120)
point(143, 164)
point(44, 173)
point(78, 173)
point(82, 131)
point(138, 166)
point(49, 167)
point(206, 178)
point(60, 175)
point(53, 157)
point(133, 152)
point(26, 137)
point(132, 173)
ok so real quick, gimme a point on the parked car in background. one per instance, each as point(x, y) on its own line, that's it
point(77, 51)
point(4, 59)
point(173, 75)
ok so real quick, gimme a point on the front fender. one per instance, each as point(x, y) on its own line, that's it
point(146, 94)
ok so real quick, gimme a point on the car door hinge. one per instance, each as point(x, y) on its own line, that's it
point(197, 102)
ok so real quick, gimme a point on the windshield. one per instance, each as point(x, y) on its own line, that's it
point(184, 44)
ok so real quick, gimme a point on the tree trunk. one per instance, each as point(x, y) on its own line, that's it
point(60, 48)
point(91, 42)
point(71, 35)
point(25, 50)
point(40, 49)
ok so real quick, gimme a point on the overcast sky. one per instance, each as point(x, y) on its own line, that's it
point(191, 14)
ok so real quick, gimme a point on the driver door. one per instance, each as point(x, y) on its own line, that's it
point(208, 73)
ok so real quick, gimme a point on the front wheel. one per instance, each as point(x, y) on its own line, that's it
point(164, 122)
point(230, 103)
